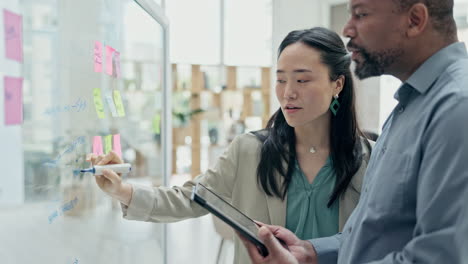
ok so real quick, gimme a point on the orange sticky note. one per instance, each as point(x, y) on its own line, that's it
point(97, 145)
point(117, 147)
point(98, 56)
point(109, 56)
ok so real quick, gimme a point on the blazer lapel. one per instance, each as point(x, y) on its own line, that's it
point(276, 206)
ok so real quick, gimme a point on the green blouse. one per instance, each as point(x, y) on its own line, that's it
point(307, 214)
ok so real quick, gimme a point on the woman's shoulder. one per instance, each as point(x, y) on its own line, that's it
point(367, 146)
point(252, 136)
point(250, 139)
point(261, 134)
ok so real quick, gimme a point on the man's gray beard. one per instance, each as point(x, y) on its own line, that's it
point(377, 63)
point(367, 69)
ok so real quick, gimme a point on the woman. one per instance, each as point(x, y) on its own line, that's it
point(304, 171)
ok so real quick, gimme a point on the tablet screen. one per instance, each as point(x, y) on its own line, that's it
point(227, 209)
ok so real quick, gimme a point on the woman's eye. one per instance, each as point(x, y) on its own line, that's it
point(302, 81)
point(280, 81)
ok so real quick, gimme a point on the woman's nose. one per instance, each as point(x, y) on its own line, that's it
point(290, 93)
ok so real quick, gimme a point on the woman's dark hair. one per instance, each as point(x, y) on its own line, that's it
point(345, 136)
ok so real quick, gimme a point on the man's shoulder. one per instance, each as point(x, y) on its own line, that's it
point(457, 75)
point(453, 82)
point(448, 102)
point(460, 67)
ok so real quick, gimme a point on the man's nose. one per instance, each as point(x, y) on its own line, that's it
point(349, 31)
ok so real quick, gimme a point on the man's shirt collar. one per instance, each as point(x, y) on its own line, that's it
point(423, 78)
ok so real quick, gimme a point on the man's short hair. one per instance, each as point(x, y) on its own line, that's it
point(440, 11)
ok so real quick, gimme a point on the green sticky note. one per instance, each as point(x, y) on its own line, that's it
point(118, 103)
point(98, 102)
point(107, 143)
point(156, 124)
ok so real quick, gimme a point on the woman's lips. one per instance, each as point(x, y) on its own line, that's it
point(292, 110)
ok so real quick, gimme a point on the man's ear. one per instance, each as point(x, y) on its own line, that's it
point(418, 19)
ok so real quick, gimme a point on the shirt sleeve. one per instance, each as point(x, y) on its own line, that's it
point(442, 180)
point(327, 248)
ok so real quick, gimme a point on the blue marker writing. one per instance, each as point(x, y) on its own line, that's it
point(118, 168)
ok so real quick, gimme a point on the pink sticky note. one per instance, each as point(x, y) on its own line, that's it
point(98, 56)
point(117, 64)
point(109, 55)
point(117, 147)
point(97, 145)
point(13, 35)
point(13, 100)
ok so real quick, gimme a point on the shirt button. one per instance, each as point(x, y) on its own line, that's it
point(384, 148)
point(401, 109)
point(350, 229)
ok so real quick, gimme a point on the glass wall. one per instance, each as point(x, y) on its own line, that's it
point(93, 82)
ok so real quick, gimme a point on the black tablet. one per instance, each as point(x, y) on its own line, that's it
point(229, 214)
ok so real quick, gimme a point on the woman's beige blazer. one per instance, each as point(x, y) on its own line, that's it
point(234, 178)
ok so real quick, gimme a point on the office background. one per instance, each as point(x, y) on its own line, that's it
point(167, 84)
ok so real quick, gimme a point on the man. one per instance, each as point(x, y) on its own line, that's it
point(410, 198)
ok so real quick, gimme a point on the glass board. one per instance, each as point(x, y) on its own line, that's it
point(92, 80)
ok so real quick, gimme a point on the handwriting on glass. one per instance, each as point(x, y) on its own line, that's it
point(8, 96)
point(11, 33)
point(78, 106)
point(70, 148)
point(97, 56)
point(62, 209)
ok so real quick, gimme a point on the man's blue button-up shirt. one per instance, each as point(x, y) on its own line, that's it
point(417, 173)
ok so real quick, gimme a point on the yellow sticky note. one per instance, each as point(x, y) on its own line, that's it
point(107, 143)
point(118, 103)
point(98, 102)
